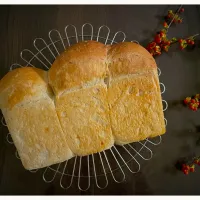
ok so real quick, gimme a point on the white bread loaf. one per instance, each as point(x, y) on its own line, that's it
point(102, 94)
point(26, 102)
point(77, 77)
point(134, 96)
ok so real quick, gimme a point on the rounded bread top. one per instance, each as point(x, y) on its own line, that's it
point(22, 84)
point(129, 58)
point(81, 64)
point(78, 65)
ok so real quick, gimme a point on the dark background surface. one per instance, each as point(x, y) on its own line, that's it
point(20, 25)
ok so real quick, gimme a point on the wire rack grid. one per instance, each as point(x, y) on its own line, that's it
point(100, 165)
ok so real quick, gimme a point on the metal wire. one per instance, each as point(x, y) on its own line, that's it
point(3, 122)
point(9, 139)
point(76, 34)
point(39, 50)
point(166, 105)
point(135, 41)
point(107, 37)
point(163, 88)
point(17, 155)
point(15, 65)
point(165, 121)
point(79, 174)
point(83, 31)
point(117, 33)
point(101, 157)
point(159, 72)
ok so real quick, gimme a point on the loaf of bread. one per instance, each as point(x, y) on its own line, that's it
point(77, 77)
point(26, 101)
point(134, 97)
point(95, 95)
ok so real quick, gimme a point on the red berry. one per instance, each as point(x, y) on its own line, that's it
point(188, 41)
point(196, 161)
point(185, 167)
point(185, 101)
point(191, 169)
point(168, 43)
point(179, 21)
point(165, 24)
point(193, 101)
point(162, 34)
point(181, 10)
point(191, 106)
point(158, 39)
point(158, 53)
point(181, 47)
point(192, 42)
point(195, 109)
point(168, 16)
point(152, 45)
point(180, 40)
point(186, 172)
point(165, 48)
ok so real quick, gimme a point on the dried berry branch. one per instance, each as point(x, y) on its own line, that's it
point(193, 102)
point(175, 17)
point(162, 43)
point(188, 165)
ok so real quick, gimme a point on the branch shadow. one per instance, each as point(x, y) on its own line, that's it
point(176, 104)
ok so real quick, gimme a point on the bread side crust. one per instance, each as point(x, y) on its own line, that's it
point(134, 97)
point(29, 111)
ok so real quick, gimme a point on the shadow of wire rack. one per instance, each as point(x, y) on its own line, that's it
point(100, 165)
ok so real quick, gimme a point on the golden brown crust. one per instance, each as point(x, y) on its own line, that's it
point(22, 84)
point(129, 58)
point(19, 75)
point(79, 64)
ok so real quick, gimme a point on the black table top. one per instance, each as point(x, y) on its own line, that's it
point(20, 25)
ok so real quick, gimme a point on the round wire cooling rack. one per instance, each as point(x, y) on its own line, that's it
point(99, 165)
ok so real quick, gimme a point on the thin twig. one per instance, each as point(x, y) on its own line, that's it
point(174, 17)
point(193, 36)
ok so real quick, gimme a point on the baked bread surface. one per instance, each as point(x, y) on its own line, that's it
point(28, 108)
point(93, 96)
point(81, 64)
point(81, 97)
point(134, 97)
